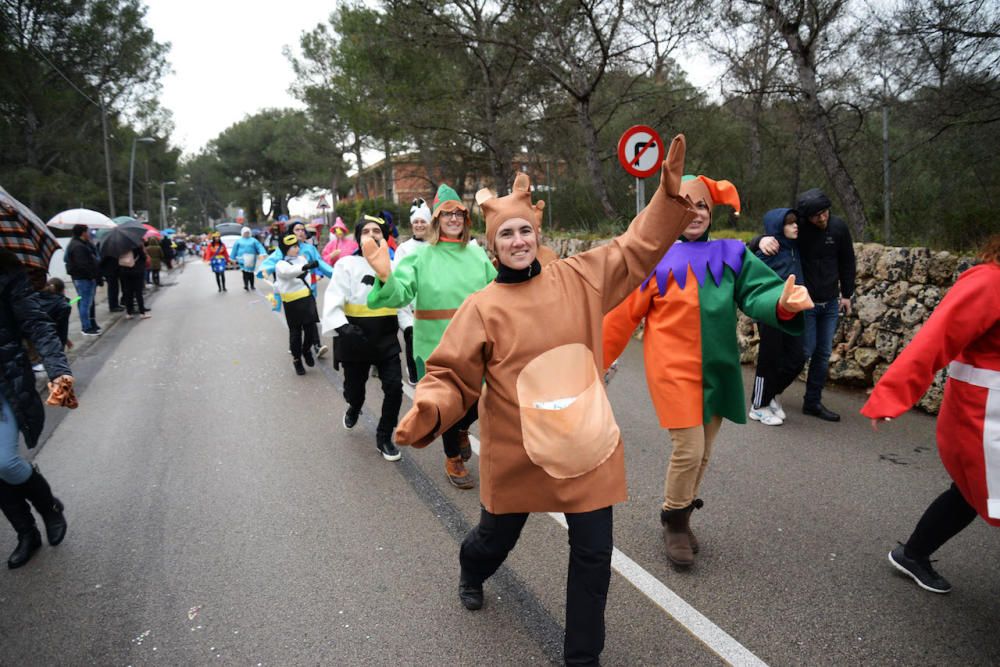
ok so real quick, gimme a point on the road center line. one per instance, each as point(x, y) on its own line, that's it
point(701, 628)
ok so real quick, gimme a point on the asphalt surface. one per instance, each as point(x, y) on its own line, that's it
point(220, 514)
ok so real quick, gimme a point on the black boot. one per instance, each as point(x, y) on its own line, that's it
point(18, 513)
point(37, 490)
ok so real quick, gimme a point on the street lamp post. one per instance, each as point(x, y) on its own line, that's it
point(163, 204)
point(131, 169)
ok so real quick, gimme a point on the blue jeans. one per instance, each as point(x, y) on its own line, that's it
point(86, 290)
point(817, 341)
point(13, 469)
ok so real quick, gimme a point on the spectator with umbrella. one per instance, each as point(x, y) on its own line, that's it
point(125, 243)
point(83, 266)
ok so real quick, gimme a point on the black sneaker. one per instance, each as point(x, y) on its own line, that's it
point(299, 369)
point(351, 417)
point(308, 357)
point(821, 411)
point(470, 595)
point(388, 449)
point(920, 570)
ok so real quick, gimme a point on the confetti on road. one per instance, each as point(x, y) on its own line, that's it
point(193, 612)
point(138, 640)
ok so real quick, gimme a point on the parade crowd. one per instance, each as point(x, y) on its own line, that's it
point(525, 343)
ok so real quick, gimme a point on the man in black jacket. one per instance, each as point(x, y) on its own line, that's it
point(83, 266)
point(828, 266)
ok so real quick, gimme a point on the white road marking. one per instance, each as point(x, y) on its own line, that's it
point(708, 633)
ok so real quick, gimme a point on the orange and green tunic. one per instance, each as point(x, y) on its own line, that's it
point(691, 354)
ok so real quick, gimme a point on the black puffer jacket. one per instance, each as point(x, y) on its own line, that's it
point(22, 317)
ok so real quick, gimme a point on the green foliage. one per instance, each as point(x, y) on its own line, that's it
point(352, 211)
point(60, 60)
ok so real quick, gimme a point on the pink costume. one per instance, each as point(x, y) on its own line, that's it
point(346, 244)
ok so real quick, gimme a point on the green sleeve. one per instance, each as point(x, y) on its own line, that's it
point(758, 289)
point(401, 287)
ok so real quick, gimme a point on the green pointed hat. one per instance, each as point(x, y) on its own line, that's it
point(444, 195)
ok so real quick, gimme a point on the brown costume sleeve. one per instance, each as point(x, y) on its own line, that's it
point(453, 381)
point(618, 267)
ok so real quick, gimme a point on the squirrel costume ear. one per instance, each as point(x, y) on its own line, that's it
point(484, 195)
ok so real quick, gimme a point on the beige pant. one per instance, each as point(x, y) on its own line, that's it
point(692, 448)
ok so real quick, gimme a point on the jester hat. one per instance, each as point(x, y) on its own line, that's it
point(516, 205)
point(702, 188)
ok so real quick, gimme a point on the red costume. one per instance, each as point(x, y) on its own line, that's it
point(963, 330)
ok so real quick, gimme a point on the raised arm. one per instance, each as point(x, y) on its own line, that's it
point(399, 287)
point(618, 268)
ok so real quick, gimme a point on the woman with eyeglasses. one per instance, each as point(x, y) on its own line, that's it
point(438, 279)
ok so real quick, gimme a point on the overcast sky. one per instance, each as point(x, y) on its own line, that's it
point(227, 61)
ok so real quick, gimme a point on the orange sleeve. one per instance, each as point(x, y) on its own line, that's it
point(621, 321)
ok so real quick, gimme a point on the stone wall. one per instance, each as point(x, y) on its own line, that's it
point(897, 289)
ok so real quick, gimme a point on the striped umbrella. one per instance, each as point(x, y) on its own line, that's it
point(23, 233)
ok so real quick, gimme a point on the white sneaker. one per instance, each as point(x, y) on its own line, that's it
point(765, 416)
point(776, 409)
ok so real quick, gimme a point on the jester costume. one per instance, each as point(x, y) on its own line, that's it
point(692, 358)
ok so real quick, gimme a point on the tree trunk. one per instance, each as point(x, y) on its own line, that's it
point(387, 172)
point(756, 154)
point(593, 162)
point(360, 163)
point(820, 128)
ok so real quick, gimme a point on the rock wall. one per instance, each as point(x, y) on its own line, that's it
point(897, 289)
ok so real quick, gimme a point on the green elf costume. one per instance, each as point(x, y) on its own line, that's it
point(437, 279)
point(692, 358)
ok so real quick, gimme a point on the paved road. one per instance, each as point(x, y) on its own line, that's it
point(220, 514)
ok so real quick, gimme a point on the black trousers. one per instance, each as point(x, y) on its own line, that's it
point(411, 365)
point(247, 279)
point(301, 337)
point(156, 276)
point(111, 279)
point(780, 359)
point(450, 437)
point(945, 518)
point(132, 286)
point(590, 544)
point(390, 374)
point(220, 280)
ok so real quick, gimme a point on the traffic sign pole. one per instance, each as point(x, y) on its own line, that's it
point(640, 195)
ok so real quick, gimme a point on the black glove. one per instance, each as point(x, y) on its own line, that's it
point(312, 265)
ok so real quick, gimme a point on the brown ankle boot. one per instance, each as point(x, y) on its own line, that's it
point(457, 473)
point(676, 537)
point(696, 505)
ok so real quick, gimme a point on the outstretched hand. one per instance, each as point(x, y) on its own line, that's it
point(377, 256)
point(794, 298)
point(417, 428)
point(673, 167)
